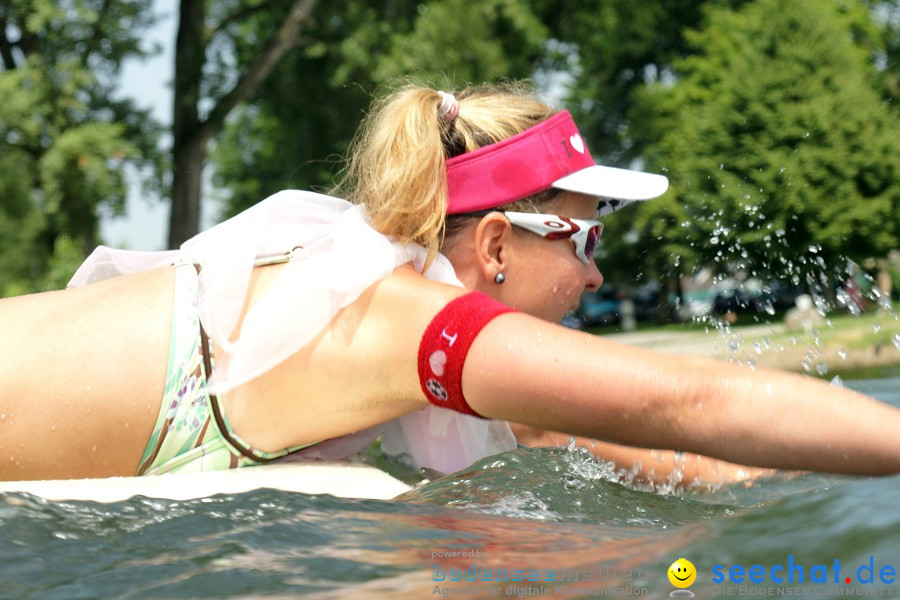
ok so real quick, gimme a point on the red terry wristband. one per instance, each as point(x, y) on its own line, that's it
point(443, 350)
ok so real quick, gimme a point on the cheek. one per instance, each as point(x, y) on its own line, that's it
point(570, 287)
point(563, 290)
point(552, 282)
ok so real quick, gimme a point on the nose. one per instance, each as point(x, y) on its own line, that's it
point(594, 278)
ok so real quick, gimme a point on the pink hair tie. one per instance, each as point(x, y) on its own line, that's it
point(449, 108)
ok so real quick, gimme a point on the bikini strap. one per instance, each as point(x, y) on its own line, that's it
point(206, 352)
point(265, 261)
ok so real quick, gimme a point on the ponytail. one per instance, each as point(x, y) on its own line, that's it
point(396, 167)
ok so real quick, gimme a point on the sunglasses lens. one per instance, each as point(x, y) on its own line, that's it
point(590, 243)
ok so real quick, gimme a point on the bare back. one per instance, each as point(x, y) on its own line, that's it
point(82, 373)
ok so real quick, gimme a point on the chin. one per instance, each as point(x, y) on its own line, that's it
point(554, 317)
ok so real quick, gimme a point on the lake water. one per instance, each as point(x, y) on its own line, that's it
point(529, 524)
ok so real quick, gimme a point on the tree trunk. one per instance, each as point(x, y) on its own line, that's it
point(191, 134)
point(188, 156)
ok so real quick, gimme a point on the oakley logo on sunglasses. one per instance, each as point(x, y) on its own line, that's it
point(565, 227)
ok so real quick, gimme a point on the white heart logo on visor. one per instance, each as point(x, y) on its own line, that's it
point(577, 142)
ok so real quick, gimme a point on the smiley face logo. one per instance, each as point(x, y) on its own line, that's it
point(682, 573)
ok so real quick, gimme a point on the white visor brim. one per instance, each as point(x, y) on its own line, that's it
point(614, 183)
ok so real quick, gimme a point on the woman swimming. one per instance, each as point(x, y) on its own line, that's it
point(422, 310)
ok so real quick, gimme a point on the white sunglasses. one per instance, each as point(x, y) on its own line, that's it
point(584, 234)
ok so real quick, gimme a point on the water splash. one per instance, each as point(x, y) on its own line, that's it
point(556, 484)
point(740, 249)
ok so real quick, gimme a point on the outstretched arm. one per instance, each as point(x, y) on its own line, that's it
point(525, 370)
point(653, 466)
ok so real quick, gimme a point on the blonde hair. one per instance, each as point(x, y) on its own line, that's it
point(396, 167)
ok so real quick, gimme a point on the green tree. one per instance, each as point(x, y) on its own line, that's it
point(294, 130)
point(782, 156)
point(879, 34)
point(65, 140)
point(612, 49)
point(222, 54)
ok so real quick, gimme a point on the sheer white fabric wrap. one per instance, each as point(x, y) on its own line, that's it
point(338, 256)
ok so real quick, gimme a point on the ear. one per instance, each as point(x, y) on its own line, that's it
point(493, 237)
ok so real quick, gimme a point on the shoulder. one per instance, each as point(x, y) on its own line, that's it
point(406, 301)
point(380, 332)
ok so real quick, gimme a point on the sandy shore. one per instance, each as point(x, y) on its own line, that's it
point(773, 345)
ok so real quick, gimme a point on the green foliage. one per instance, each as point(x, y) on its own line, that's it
point(64, 139)
point(779, 150)
point(304, 112)
point(299, 125)
point(464, 42)
point(21, 222)
point(612, 49)
point(68, 254)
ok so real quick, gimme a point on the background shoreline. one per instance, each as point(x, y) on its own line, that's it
point(841, 344)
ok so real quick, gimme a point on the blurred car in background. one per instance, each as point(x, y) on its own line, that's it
point(770, 298)
point(572, 321)
point(696, 304)
point(600, 307)
point(782, 295)
point(733, 299)
point(646, 303)
point(605, 306)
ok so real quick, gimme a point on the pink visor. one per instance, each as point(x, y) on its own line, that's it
point(550, 154)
